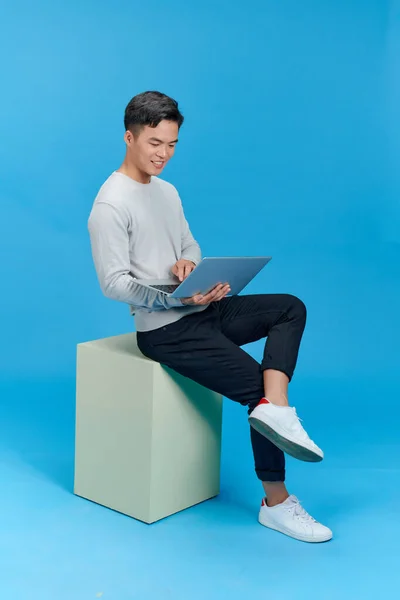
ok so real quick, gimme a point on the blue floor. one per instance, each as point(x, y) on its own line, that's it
point(55, 546)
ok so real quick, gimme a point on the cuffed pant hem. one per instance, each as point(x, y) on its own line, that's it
point(265, 366)
point(271, 476)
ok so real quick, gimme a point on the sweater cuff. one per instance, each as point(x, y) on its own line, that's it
point(193, 260)
point(174, 302)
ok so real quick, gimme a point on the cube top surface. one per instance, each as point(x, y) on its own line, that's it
point(122, 344)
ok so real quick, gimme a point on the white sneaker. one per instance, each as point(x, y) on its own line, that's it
point(281, 425)
point(290, 518)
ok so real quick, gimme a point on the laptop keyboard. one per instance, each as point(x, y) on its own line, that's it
point(166, 288)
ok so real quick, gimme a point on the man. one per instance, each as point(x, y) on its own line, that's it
point(138, 230)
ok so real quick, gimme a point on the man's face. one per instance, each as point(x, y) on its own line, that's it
point(153, 147)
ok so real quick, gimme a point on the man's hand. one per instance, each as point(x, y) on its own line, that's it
point(220, 291)
point(183, 268)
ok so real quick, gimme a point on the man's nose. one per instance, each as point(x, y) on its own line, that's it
point(162, 152)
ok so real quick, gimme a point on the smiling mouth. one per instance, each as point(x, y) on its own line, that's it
point(158, 164)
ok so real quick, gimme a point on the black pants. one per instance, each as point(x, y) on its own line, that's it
point(205, 347)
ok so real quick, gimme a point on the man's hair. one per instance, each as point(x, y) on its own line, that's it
point(150, 108)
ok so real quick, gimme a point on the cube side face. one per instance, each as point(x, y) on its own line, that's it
point(186, 443)
point(114, 395)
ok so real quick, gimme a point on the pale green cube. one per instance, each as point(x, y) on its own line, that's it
point(148, 441)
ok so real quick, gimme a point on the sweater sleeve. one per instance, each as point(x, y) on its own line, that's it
point(109, 238)
point(190, 249)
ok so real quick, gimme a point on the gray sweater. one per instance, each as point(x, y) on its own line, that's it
point(139, 231)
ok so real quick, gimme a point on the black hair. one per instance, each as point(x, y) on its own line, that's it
point(150, 108)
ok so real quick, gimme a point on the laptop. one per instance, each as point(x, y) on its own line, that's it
point(238, 271)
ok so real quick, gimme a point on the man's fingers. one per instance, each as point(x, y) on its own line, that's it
point(221, 290)
point(220, 296)
point(222, 293)
point(212, 296)
point(182, 269)
point(216, 294)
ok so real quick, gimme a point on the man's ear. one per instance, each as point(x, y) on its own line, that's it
point(129, 138)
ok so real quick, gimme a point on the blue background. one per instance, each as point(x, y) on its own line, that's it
point(290, 147)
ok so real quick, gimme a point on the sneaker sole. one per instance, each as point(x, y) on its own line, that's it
point(300, 537)
point(284, 443)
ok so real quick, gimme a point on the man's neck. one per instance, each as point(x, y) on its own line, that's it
point(133, 172)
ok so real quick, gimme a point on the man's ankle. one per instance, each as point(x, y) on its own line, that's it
point(275, 492)
point(276, 500)
point(278, 398)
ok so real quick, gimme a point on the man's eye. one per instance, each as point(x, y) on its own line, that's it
point(153, 144)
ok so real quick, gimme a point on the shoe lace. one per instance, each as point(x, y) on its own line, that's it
point(297, 426)
point(299, 513)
